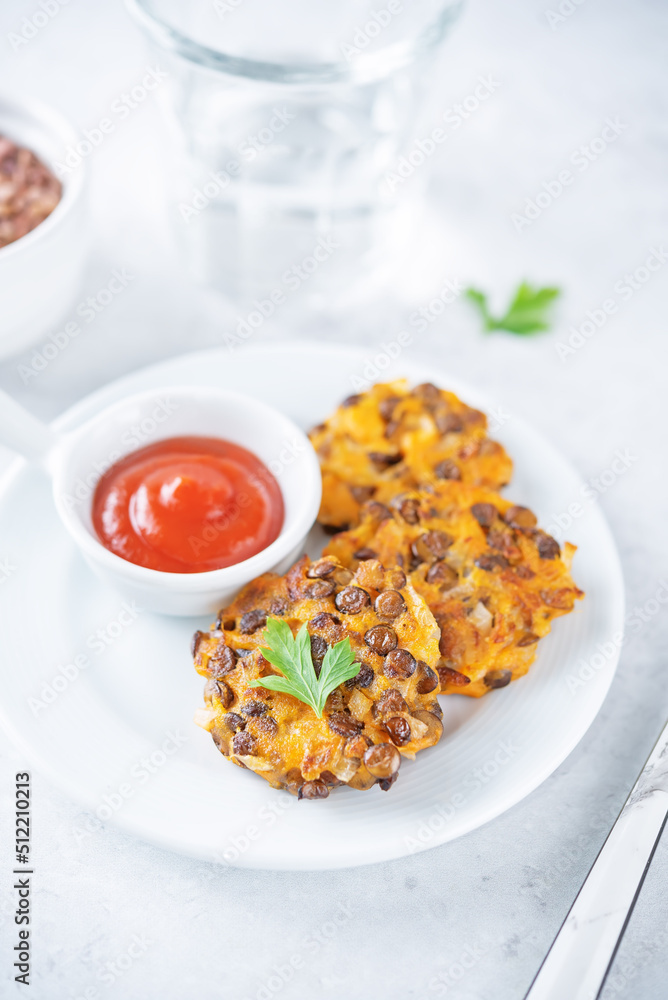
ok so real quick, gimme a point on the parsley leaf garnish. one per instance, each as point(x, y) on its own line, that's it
point(527, 313)
point(292, 656)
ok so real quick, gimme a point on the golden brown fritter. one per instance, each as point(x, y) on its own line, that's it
point(493, 580)
point(393, 438)
point(390, 709)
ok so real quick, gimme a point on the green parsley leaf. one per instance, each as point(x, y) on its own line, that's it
point(292, 656)
point(527, 313)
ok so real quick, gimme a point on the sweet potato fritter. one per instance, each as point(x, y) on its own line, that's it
point(392, 438)
point(390, 709)
point(493, 580)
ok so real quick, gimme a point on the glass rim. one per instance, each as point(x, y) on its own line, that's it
point(364, 68)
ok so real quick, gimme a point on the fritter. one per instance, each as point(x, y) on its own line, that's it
point(387, 711)
point(393, 438)
point(493, 580)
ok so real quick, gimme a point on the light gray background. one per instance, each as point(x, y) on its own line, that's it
point(481, 912)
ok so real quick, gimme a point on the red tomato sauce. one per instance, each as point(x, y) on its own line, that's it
point(188, 505)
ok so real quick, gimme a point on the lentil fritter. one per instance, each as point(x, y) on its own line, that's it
point(388, 711)
point(393, 438)
point(493, 580)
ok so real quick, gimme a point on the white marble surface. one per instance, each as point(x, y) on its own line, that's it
point(471, 920)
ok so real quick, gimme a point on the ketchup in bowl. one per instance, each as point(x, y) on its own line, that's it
point(188, 505)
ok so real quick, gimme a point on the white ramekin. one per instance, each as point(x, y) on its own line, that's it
point(40, 273)
point(78, 460)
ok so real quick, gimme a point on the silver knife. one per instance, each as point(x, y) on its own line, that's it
point(582, 953)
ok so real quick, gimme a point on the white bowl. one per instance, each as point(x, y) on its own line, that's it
point(40, 273)
point(79, 459)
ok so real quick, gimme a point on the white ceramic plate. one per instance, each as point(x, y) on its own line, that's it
point(101, 697)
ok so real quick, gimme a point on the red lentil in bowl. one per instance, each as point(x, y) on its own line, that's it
point(29, 191)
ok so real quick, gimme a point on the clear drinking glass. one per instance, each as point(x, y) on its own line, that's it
point(290, 116)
